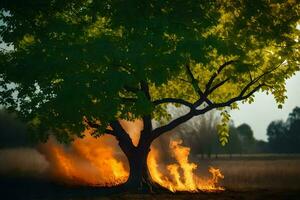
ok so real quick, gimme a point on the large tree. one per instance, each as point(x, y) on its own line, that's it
point(87, 63)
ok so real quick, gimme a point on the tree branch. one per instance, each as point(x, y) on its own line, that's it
point(258, 78)
point(186, 81)
point(196, 87)
point(146, 133)
point(201, 100)
point(121, 135)
point(203, 96)
point(193, 112)
point(218, 85)
point(173, 100)
point(160, 130)
point(145, 89)
point(117, 130)
point(213, 77)
point(240, 97)
point(95, 125)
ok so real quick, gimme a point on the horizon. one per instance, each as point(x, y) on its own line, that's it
point(266, 110)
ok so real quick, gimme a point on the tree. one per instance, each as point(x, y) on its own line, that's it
point(234, 144)
point(13, 132)
point(277, 136)
point(261, 146)
point(294, 130)
point(294, 115)
point(87, 64)
point(284, 137)
point(246, 135)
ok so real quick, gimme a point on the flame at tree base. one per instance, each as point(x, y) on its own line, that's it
point(181, 175)
point(100, 162)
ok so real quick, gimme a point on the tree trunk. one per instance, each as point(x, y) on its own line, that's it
point(139, 176)
point(139, 179)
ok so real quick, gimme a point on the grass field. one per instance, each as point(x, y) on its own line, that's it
point(248, 172)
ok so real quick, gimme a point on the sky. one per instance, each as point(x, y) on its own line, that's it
point(264, 109)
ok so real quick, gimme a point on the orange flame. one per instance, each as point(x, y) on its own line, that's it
point(87, 161)
point(183, 177)
point(100, 162)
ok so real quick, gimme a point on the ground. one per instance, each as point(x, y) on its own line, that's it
point(59, 193)
point(240, 195)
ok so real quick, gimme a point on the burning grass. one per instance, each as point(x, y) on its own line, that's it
point(181, 175)
point(251, 177)
point(87, 161)
point(99, 162)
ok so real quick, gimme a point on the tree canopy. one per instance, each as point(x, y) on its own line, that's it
point(115, 59)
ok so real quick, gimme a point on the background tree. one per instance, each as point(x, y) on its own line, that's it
point(261, 146)
point(246, 136)
point(95, 62)
point(13, 132)
point(294, 116)
point(284, 137)
point(235, 145)
point(277, 137)
point(294, 130)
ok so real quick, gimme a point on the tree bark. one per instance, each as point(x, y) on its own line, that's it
point(139, 179)
point(139, 176)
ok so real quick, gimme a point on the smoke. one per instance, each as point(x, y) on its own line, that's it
point(85, 160)
point(17, 156)
point(22, 161)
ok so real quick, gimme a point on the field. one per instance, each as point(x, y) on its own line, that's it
point(250, 172)
point(246, 177)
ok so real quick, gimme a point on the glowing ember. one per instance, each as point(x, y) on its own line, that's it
point(99, 161)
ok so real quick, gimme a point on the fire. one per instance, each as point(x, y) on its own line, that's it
point(87, 161)
point(181, 175)
point(100, 162)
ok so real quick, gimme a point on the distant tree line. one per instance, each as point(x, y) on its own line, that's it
point(283, 137)
point(205, 140)
point(200, 134)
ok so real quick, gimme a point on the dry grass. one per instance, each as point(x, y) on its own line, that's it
point(258, 172)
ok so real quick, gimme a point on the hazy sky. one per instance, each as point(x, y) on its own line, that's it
point(264, 110)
